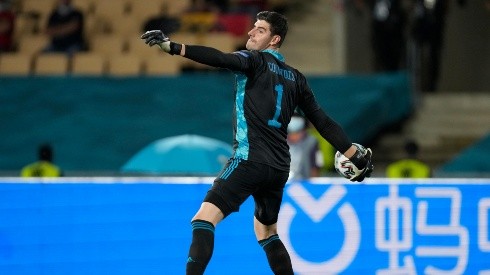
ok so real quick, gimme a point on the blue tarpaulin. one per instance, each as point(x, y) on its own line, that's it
point(181, 155)
point(475, 159)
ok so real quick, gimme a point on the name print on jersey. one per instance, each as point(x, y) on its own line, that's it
point(284, 73)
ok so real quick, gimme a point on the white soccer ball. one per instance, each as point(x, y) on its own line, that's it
point(344, 166)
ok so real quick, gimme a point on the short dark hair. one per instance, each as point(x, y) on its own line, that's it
point(278, 22)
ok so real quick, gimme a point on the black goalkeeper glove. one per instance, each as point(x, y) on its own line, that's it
point(362, 160)
point(157, 37)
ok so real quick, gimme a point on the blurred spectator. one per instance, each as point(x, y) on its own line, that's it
point(429, 18)
point(251, 7)
point(410, 167)
point(327, 151)
point(65, 28)
point(162, 21)
point(222, 5)
point(388, 34)
point(200, 17)
point(7, 23)
point(44, 167)
point(306, 158)
point(203, 6)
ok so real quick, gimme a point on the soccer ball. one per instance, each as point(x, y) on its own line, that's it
point(344, 166)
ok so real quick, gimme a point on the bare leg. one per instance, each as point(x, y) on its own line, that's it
point(209, 212)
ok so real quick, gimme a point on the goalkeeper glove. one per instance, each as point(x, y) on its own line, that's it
point(157, 37)
point(362, 160)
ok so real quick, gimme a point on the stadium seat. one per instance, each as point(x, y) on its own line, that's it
point(86, 6)
point(51, 64)
point(32, 43)
point(128, 26)
point(88, 64)
point(176, 7)
point(143, 11)
point(24, 25)
point(107, 45)
point(39, 10)
point(91, 28)
point(138, 47)
point(125, 65)
point(222, 41)
point(163, 65)
point(111, 8)
point(15, 64)
point(41, 7)
point(185, 38)
point(200, 22)
point(108, 13)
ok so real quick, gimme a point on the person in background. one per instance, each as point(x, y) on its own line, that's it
point(306, 157)
point(162, 21)
point(44, 167)
point(388, 38)
point(428, 31)
point(411, 166)
point(7, 24)
point(327, 152)
point(65, 29)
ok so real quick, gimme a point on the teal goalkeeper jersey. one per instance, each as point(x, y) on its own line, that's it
point(267, 93)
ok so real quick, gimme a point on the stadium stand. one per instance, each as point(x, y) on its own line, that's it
point(32, 44)
point(37, 10)
point(112, 28)
point(175, 8)
point(24, 25)
point(41, 7)
point(223, 41)
point(107, 45)
point(109, 13)
point(162, 66)
point(88, 63)
point(51, 64)
point(86, 6)
point(125, 65)
point(150, 8)
point(15, 64)
point(200, 22)
point(126, 27)
point(136, 47)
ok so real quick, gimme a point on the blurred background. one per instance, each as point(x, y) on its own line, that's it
point(81, 96)
point(75, 75)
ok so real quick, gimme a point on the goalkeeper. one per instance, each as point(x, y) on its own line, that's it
point(266, 95)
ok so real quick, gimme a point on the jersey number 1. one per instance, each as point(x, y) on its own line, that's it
point(273, 122)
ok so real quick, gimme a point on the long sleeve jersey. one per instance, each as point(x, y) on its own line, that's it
point(267, 93)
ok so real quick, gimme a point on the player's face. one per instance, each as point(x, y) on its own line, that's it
point(260, 37)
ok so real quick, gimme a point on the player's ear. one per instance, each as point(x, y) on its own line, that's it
point(275, 40)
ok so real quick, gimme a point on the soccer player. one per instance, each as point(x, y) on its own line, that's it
point(267, 94)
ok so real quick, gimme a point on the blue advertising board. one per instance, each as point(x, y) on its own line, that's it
point(329, 226)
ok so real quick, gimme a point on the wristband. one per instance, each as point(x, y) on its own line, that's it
point(358, 160)
point(175, 48)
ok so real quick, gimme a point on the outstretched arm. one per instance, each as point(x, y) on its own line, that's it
point(205, 55)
